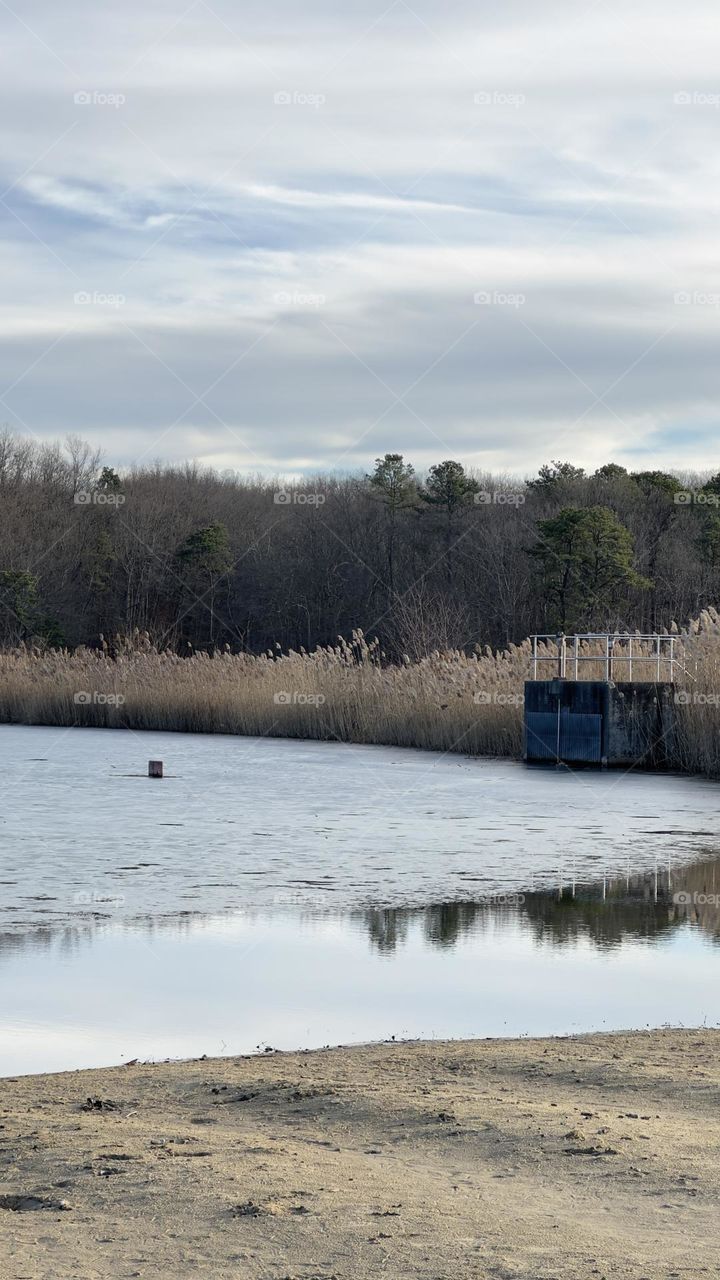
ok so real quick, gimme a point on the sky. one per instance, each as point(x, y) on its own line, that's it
point(282, 238)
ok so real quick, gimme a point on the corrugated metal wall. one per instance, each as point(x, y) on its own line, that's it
point(573, 736)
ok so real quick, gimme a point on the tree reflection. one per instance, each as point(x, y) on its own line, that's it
point(607, 913)
point(647, 907)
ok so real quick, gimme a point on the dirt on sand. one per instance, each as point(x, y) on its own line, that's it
point(560, 1159)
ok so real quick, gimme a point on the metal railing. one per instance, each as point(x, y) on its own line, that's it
point(617, 654)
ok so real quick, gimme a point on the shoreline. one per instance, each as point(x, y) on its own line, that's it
point(351, 1047)
point(673, 770)
point(538, 1159)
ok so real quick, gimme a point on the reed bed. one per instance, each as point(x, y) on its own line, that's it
point(447, 701)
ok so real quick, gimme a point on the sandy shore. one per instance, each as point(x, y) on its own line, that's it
point(563, 1159)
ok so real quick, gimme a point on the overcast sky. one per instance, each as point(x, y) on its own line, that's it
point(280, 237)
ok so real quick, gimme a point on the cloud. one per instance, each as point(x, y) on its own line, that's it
point(351, 200)
point(71, 197)
point(299, 213)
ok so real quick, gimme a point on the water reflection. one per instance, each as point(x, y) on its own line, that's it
point(616, 954)
point(77, 934)
point(608, 913)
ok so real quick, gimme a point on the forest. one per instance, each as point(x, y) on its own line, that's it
point(196, 559)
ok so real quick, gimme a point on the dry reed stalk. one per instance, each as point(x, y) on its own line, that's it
point(447, 701)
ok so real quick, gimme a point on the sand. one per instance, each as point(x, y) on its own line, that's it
point(566, 1158)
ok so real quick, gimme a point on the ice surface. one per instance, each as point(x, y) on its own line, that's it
point(265, 823)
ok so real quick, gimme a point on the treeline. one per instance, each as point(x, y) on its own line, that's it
point(199, 559)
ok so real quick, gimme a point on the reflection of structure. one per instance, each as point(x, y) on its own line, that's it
point(608, 913)
point(643, 906)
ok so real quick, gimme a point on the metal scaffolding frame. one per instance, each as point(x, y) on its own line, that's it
point(618, 650)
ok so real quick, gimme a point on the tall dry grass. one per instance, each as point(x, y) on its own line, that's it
point(449, 701)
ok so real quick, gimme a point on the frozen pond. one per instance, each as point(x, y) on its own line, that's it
point(297, 894)
point(263, 822)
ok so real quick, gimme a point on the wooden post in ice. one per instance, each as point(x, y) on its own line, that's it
point(155, 768)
